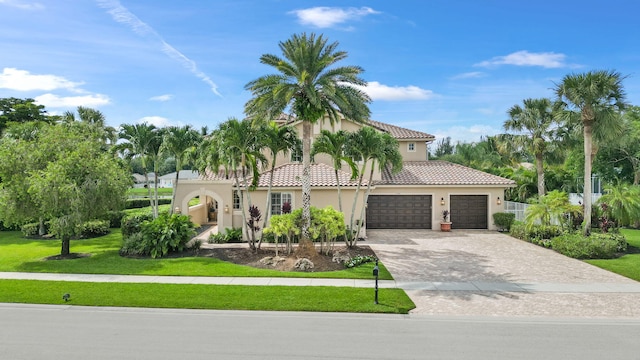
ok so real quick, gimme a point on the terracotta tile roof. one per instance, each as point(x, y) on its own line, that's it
point(436, 172)
point(322, 175)
point(400, 133)
point(212, 176)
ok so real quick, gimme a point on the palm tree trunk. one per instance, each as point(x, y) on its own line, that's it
point(306, 245)
point(364, 200)
point(175, 187)
point(338, 186)
point(268, 206)
point(353, 206)
point(540, 170)
point(588, 140)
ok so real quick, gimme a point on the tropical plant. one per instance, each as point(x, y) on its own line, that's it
point(181, 143)
point(334, 144)
point(597, 96)
point(623, 203)
point(554, 206)
point(236, 146)
point(277, 139)
point(313, 89)
point(535, 123)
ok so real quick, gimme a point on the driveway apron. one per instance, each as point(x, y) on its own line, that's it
point(486, 273)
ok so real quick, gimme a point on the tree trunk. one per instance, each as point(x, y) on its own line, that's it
point(65, 245)
point(305, 247)
point(588, 139)
point(540, 171)
point(173, 197)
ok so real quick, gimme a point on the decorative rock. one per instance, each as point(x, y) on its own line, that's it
point(341, 257)
point(304, 264)
point(272, 260)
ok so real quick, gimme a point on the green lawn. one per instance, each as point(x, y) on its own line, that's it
point(222, 297)
point(143, 191)
point(25, 255)
point(627, 265)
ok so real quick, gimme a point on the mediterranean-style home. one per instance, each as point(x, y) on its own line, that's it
point(414, 198)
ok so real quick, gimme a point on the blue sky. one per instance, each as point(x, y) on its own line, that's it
point(446, 67)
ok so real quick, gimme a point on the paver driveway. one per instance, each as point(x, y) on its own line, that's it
point(479, 272)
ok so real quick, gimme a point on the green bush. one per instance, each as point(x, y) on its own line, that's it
point(595, 246)
point(535, 234)
point(131, 224)
point(167, 233)
point(133, 245)
point(504, 220)
point(114, 218)
point(229, 236)
point(30, 229)
point(144, 202)
point(359, 260)
point(94, 228)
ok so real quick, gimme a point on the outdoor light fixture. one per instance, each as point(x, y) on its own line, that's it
point(442, 201)
point(499, 202)
point(226, 208)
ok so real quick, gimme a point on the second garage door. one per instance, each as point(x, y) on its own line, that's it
point(399, 212)
point(469, 212)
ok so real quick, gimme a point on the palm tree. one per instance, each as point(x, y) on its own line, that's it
point(535, 118)
point(277, 139)
point(181, 143)
point(597, 96)
point(96, 119)
point(142, 141)
point(236, 146)
point(334, 144)
point(623, 203)
point(313, 90)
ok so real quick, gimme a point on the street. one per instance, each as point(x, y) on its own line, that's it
point(72, 332)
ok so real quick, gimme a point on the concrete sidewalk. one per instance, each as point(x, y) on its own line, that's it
point(473, 286)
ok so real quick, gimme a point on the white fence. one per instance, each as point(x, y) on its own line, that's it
point(516, 208)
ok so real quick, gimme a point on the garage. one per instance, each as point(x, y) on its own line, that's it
point(399, 212)
point(469, 212)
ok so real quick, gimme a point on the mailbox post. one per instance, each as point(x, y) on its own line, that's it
point(375, 273)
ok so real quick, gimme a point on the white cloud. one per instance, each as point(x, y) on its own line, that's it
point(471, 133)
point(124, 16)
point(22, 80)
point(165, 97)
point(158, 121)
point(525, 58)
point(325, 17)
point(469, 75)
point(379, 91)
point(22, 5)
point(55, 101)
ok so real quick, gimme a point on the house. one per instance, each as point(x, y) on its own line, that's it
point(166, 181)
point(414, 198)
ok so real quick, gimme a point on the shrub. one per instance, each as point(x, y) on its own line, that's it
point(536, 234)
point(30, 229)
point(359, 260)
point(167, 233)
point(144, 202)
point(133, 245)
point(229, 236)
point(94, 228)
point(114, 218)
point(595, 246)
point(504, 220)
point(131, 224)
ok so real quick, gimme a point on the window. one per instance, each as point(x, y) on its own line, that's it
point(296, 156)
point(411, 147)
point(236, 200)
point(278, 199)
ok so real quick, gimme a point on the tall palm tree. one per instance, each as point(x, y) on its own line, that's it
point(535, 119)
point(277, 139)
point(180, 142)
point(334, 144)
point(141, 141)
point(96, 119)
point(236, 146)
point(598, 96)
point(313, 89)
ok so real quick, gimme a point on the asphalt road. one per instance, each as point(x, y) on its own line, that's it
point(73, 332)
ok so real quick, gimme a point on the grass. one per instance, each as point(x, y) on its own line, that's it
point(627, 265)
point(143, 191)
point(18, 254)
point(221, 297)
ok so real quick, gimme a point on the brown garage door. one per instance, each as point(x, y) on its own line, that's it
point(399, 212)
point(469, 212)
